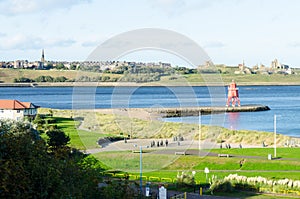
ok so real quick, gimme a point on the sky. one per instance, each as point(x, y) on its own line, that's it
point(230, 31)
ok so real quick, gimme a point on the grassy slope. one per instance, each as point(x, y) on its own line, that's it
point(8, 75)
point(80, 139)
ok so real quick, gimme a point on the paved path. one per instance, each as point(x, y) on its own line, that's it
point(171, 193)
point(174, 145)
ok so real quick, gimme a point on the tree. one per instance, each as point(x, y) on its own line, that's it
point(73, 67)
point(44, 79)
point(60, 66)
point(60, 79)
point(28, 170)
point(23, 79)
point(57, 138)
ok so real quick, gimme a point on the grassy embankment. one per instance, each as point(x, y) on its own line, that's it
point(247, 79)
point(167, 166)
point(8, 76)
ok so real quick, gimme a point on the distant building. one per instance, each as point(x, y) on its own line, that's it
point(275, 64)
point(19, 64)
point(164, 65)
point(242, 66)
point(41, 64)
point(281, 68)
point(16, 110)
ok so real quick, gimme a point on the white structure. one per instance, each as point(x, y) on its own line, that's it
point(16, 110)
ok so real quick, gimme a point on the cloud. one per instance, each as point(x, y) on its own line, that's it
point(19, 7)
point(179, 7)
point(169, 7)
point(25, 42)
point(2, 34)
point(21, 42)
point(62, 43)
point(90, 43)
point(295, 44)
point(214, 44)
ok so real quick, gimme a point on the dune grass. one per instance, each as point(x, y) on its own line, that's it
point(96, 124)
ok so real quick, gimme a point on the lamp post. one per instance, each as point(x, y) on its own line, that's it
point(141, 171)
point(141, 168)
point(200, 132)
point(275, 135)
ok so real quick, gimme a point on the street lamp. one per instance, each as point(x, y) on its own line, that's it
point(141, 168)
point(200, 132)
point(275, 136)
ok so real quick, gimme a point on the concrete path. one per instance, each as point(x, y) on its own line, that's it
point(172, 145)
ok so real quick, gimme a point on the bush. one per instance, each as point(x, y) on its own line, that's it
point(185, 179)
point(221, 186)
point(23, 80)
point(44, 79)
point(60, 79)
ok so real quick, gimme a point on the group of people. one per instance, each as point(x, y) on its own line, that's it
point(159, 143)
point(228, 146)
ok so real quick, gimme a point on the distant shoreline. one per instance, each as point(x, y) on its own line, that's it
point(133, 84)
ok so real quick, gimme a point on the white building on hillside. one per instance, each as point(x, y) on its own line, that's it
point(16, 110)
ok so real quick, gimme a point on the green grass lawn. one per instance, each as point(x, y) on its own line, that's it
point(262, 152)
point(80, 139)
point(251, 195)
point(167, 166)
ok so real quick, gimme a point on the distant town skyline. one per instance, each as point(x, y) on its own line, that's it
point(230, 31)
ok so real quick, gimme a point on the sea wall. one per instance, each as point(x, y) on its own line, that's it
point(194, 111)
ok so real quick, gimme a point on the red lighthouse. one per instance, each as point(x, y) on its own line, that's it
point(233, 95)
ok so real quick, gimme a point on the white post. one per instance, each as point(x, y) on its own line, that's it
point(141, 171)
point(275, 136)
point(200, 132)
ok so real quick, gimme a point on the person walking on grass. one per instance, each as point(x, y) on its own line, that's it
point(242, 162)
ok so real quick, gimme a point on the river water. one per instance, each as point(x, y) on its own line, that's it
point(284, 101)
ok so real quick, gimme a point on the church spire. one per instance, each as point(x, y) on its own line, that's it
point(43, 57)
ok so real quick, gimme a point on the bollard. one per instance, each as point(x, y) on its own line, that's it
point(185, 195)
point(200, 191)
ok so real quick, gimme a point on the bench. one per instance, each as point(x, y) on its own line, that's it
point(180, 153)
point(224, 155)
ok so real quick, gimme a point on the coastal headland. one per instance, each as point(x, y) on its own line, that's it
point(134, 84)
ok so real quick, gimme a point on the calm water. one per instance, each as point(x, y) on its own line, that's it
point(284, 101)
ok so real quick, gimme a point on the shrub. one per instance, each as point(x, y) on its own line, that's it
point(185, 179)
point(221, 186)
